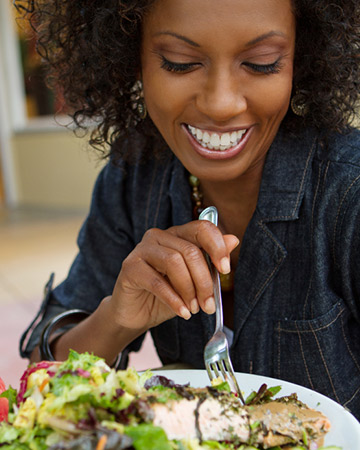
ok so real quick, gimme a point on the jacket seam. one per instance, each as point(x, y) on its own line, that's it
point(312, 239)
point(304, 359)
point(148, 203)
point(325, 364)
point(309, 158)
point(160, 194)
point(347, 345)
point(291, 215)
point(313, 329)
point(352, 397)
point(353, 358)
point(338, 216)
point(326, 171)
point(260, 290)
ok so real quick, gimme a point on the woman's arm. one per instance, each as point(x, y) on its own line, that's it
point(162, 277)
point(96, 334)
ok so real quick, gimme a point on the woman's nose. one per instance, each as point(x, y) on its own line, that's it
point(221, 97)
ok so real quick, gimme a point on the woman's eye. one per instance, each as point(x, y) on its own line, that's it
point(171, 66)
point(266, 69)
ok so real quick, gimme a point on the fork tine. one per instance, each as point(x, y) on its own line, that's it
point(227, 373)
point(215, 368)
point(210, 374)
point(223, 367)
point(234, 380)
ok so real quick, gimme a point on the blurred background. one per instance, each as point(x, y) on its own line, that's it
point(46, 179)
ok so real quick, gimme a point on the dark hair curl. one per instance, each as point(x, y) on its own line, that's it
point(92, 49)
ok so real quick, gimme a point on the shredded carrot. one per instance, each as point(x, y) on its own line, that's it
point(43, 384)
point(101, 442)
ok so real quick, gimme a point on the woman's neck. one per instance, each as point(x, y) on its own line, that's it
point(235, 200)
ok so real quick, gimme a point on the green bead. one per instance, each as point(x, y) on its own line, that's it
point(194, 181)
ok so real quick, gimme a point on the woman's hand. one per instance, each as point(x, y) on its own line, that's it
point(167, 275)
point(164, 276)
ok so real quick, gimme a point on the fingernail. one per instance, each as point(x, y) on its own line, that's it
point(185, 313)
point(209, 306)
point(194, 306)
point(225, 265)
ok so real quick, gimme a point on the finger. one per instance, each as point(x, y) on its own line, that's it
point(171, 262)
point(191, 259)
point(198, 269)
point(152, 281)
point(207, 236)
point(231, 242)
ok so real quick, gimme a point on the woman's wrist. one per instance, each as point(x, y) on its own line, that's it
point(55, 328)
point(123, 333)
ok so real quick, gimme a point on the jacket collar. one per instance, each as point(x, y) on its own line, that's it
point(285, 172)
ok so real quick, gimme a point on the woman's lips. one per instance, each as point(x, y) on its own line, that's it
point(215, 144)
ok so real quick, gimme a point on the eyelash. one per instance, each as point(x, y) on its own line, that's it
point(176, 67)
point(266, 69)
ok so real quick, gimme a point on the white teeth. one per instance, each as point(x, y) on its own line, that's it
point(206, 138)
point(217, 141)
point(240, 133)
point(225, 139)
point(233, 137)
point(214, 140)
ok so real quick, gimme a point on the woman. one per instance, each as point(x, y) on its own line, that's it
point(254, 100)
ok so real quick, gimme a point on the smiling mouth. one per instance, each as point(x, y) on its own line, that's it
point(217, 141)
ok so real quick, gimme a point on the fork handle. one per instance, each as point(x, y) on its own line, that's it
point(219, 320)
point(211, 214)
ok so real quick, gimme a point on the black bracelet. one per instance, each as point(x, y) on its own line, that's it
point(61, 320)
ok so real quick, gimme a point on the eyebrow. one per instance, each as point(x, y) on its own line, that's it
point(265, 36)
point(178, 36)
point(195, 44)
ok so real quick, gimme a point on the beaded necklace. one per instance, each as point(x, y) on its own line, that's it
point(226, 280)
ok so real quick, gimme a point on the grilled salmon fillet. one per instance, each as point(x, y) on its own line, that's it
point(223, 418)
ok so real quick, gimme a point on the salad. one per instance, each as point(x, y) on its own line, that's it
point(83, 404)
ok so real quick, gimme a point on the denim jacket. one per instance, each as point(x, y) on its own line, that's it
point(297, 281)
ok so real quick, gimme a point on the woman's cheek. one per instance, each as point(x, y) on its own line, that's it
point(275, 97)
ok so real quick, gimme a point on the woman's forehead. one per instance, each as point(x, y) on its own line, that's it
point(209, 17)
point(218, 9)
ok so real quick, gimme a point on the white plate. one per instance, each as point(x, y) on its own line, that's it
point(345, 429)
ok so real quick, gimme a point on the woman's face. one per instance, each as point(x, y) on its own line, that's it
point(217, 79)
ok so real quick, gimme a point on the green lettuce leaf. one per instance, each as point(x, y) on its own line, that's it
point(8, 433)
point(148, 437)
point(224, 386)
point(10, 394)
point(15, 446)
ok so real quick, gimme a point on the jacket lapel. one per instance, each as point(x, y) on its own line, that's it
point(286, 171)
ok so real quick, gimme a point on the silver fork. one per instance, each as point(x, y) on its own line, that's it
point(216, 353)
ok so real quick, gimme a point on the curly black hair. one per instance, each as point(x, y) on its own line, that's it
point(92, 49)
